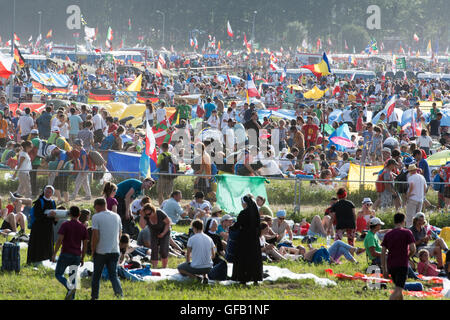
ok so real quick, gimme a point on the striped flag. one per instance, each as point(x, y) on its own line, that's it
point(110, 35)
point(148, 154)
point(251, 88)
point(229, 30)
point(416, 38)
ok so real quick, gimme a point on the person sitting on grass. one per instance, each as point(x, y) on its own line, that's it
point(128, 252)
point(13, 215)
point(202, 250)
point(280, 226)
point(426, 268)
point(321, 227)
point(264, 210)
point(270, 250)
point(337, 249)
point(364, 215)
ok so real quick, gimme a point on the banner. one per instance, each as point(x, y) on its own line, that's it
point(400, 63)
point(231, 188)
point(366, 174)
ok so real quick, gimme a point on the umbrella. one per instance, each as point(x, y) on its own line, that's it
point(439, 159)
point(343, 142)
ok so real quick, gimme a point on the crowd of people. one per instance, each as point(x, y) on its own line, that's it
point(72, 141)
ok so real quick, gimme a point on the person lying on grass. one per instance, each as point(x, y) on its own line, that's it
point(337, 249)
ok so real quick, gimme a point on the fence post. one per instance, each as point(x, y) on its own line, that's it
point(295, 196)
point(299, 193)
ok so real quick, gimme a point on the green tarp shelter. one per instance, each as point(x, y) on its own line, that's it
point(231, 188)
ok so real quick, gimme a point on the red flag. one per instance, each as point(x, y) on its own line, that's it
point(229, 30)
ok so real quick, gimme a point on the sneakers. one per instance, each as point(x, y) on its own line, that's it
point(205, 280)
point(70, 294)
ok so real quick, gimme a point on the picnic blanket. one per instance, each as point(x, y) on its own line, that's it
point(274, 273)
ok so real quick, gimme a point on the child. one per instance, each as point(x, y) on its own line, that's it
point(109, 191)
point(426, 268)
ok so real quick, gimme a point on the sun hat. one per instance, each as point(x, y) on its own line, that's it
point(412, 167)
point(376, 221)
point(367, 200)
point(216, 209)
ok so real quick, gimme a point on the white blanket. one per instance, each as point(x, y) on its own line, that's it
point(274, 272)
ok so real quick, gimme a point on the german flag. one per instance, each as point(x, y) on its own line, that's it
point(18, 57)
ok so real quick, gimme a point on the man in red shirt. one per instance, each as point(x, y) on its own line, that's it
point(310, 131)
point(73, 236)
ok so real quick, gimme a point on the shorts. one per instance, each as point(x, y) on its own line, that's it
point(187, 267)
point(399, 275)
point(61, 182)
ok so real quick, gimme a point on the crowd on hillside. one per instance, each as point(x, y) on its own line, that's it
point(77, 137)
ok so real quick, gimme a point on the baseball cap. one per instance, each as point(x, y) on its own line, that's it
point(226, 217)
point(376, 221)
point(34, 131)
point(281, 213)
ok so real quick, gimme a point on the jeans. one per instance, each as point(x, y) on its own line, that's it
point(110, 260)
point(65, 260)
point(339, 248)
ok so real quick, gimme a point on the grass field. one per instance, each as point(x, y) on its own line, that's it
point(40, 284)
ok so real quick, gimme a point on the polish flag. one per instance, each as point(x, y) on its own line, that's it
point(229, 30)
point(390, 106)
point(416, 38)
point(251, 88)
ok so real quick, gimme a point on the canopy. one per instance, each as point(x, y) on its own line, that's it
point(315, 93)
point(231, 188)
point(439, 159)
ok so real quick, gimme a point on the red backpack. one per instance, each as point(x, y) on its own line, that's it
point(380, 185)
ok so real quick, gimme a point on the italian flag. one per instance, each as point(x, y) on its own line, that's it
point(110, 34)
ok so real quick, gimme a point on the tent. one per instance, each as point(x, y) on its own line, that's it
point(341, 138)
point(231, 188)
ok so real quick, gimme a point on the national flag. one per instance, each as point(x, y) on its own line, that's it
point(429, 49)
point(136, 85)
point(30, 39)
point(390, 106)
point(16, 38)
point(315, 93)
point(229, 30)
point(352, 61)
point(273, 66)
point(416, 38)
point(19, 58)
point(251, 88)
point(305, 43)
point(121, 44)
point(283, 74)
point(346, 46)
point(321, 69)
point(191, 42)
point(108, 44)
point(148, 157)
point(110, 34)
point(401, 50)
point(162, 60)
point(159, 69)
point(38, 40)
point(195, 43)
point(129, 24)
point(247, 44)
point(229, 83)
point(90, 33)
point(229, 54)
point(49, 34)
point(162, 131)
point(200, 108)
point(6, 66)
point(329, 42)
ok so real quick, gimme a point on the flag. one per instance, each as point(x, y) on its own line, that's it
point(162, 132)
point(6, 65)
point(321, 69)
point(346, 46)
point(136, 85)
point(229, 54)
point(315, 93)
point(129, 24)
point(352, 60)
point(329, 42)
point(159, 72)
point(416, 38)
point(218, 46)
point(229, 30)
point(195, 43)
point(148, 154)
point(191, 42)
point(38, 40)
point(273, 66)
point(83, 21)
point(200, 109)
point(49, 34)
point(401, 50)
point(30, 39)
point(283, 74)
point(108, 44)
point(251, 88)
point(390, 107)
point(121, 44)
point(110, 34)
point(229, 83)
point(90, 33)
point(429, 49)
point(162, 60)
point(305, 44)
point(19, 58)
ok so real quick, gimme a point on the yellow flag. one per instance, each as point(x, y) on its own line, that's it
point(136, 85)
point(315, 93)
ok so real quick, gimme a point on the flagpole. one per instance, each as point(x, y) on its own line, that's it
point(40, 21)
point(13, 39)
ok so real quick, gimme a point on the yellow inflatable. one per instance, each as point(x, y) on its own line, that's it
point(137, 110)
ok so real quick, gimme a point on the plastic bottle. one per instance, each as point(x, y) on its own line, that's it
point(328, 241)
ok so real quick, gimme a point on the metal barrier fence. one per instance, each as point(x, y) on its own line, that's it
point(289, 193)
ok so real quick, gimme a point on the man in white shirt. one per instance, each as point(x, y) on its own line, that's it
point(161, 113)
point(25, 124)
point(416, 194)
point(202, 249)
point(214, 120)
point(106, 233)
point(99, 126)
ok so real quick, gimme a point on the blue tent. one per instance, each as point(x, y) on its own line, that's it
point(343, 132)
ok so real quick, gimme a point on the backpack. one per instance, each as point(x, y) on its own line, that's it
point(167, 165)
point(402, 187)
point(379, 184)
point(321, 255)
point(436, 186)
point(32, 217)
point(11, 257)
point(107, 143)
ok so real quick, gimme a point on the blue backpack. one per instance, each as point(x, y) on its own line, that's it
point(32, 217)
point(321, 255)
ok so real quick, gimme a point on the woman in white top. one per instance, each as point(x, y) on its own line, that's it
point(424, 141)
point(23, 170)
point(63, 126)
point(149, 113)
